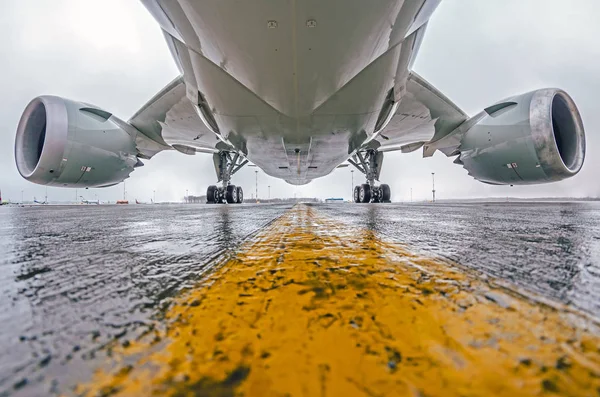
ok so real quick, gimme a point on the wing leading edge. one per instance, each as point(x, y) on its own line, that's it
point(169, 118)
point(424, 115)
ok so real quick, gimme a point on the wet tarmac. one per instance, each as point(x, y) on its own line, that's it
point(73, 278)
point(548, 248)
point(78, 285)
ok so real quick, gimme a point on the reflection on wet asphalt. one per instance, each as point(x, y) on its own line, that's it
point(74, 279)
point(549, 248)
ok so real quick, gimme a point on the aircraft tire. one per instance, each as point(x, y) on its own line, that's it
point(231, 194)
point(210, 194)
point(240, 195)
point(356, 194)
point(386, 193)
point(365, 193)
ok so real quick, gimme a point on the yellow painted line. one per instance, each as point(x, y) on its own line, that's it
point(313, 307)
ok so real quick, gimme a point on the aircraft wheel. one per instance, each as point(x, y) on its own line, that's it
point(231, 194)
point(365, 193)
point(218, 195)
point(356, 194)
point(240, 195)
point(210, 194)
point(375, 194)
point(386, 193)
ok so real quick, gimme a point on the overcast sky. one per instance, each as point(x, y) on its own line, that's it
point(112, 54)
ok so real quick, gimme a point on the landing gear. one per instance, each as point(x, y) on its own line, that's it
point(369, 163)
point(367, 194)
point(226, 165)
point(231, 195)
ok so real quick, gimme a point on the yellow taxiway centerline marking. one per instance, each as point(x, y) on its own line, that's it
point(314, 307)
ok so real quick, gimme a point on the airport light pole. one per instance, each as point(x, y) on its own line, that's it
point(21, 196)
point(187, 200)
point(154, 196)
point(269, 192)
point(256, 173)
point(433, 186)
point(352, 186)
point(411, 194)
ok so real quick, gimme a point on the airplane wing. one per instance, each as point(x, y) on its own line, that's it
point(169, 117)
point(423, 115)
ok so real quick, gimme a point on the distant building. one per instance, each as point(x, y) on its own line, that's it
point(334, 200)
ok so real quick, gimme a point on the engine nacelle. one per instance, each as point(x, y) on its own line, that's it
point(72, 144)
point(536, 137)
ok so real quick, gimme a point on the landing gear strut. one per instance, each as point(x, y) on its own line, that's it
point(226, 165)
point(369, 163)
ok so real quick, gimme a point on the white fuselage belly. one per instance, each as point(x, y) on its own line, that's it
point(296, 85)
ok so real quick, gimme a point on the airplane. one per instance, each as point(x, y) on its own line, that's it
point(40, 202)
point(299, 88)
point(84, 201)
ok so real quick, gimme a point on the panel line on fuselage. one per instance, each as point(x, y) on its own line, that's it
point(295, 75)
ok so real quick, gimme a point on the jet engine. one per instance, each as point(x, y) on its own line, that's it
point(61, 142)
point(536, 137)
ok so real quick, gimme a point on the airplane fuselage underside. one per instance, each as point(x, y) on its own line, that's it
point(296, 86)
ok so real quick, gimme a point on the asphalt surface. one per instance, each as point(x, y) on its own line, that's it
point(552, 249)
point(75, 278)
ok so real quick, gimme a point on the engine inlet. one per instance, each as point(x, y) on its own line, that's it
point(31, 136)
